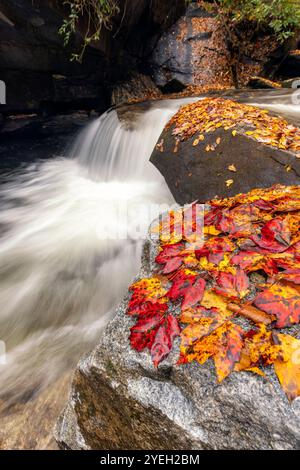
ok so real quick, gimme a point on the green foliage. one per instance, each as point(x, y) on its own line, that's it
point(281, 16)
point(94, 13)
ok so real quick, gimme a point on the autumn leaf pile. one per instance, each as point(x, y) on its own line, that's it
point(233, 298)
point(213, 113)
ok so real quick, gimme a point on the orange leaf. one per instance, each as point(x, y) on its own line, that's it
point(288, 371)
point(281, 301)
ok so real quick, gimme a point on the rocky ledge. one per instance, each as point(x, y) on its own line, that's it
point(120, 401)
point(219, 147)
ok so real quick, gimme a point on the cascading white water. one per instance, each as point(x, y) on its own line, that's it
point(60, 279)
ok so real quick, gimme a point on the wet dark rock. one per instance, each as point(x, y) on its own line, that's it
point(137, 87)
point(32, 55)
point(120, 401)
point(192, 52)
point(290, 66)
point(28, 139)
point(192, 173)
point(37, 416)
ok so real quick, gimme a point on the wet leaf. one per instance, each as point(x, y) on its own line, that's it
point(194, 294)
point(146, 290)
point(229, 350)
point(224, 345)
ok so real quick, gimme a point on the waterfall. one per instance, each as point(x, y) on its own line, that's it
point(60, 277)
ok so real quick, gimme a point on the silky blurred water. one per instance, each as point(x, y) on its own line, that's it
point(60, 279)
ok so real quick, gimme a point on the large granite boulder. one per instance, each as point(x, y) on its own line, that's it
point(120, 401)
point(225, 162)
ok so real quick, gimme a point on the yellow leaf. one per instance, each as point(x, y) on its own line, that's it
point(256, 370)
point(210, 230)
point(229, 183)
point(196, 142)
point(234, 133)
point(232, 168)
point(211, 299)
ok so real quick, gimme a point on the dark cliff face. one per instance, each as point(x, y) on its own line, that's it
point(37, 69)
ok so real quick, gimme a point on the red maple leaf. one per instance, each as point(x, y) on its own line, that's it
point(215, 249)
point(171, 257)
point(156, 333)
point(164, 339)
point(146, 308)
point(186, 285)
point(253, 261)
point(232, 285)
point(275, 236)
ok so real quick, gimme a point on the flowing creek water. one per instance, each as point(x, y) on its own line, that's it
point(60, 279)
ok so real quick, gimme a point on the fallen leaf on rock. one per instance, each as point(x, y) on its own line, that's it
point(210, 114)
point(233, 286)
point(252, 313)
point(232, 168)
point(229, 183)
point(245, 265)
point(259, 348)
point(288, 371)
point(163, 340)
point(147, 290)
point(224, 345)
point(281, 301)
